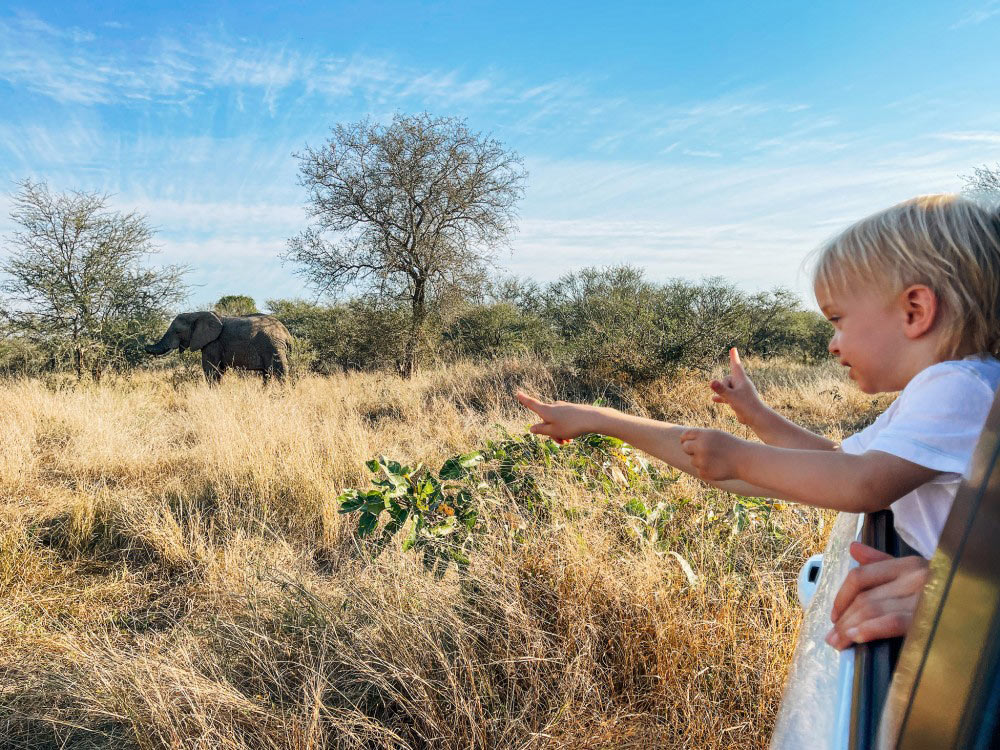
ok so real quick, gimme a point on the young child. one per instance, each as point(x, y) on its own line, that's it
point(913, 293)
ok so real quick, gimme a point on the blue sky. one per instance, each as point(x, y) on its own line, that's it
point(720, 138)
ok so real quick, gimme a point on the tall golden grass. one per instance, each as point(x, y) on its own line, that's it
point(174, 574)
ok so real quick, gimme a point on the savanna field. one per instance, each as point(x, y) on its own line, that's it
point(175, 571)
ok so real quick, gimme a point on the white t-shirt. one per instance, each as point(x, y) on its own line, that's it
point(935, 422)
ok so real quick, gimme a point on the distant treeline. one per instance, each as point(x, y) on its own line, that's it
point(606, 324)
point(610, 324)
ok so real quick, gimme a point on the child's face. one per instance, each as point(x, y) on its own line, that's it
point(868, 336)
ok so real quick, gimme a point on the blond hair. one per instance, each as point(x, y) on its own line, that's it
point(946, 242)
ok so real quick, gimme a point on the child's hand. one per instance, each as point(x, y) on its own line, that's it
point(560, 421)
point(878, 598)
point(737, 390)
point(714, 453)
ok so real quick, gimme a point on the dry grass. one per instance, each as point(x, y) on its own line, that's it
point(173, 573)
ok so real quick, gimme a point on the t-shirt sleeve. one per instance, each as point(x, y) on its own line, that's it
point(937, 423)
point(858, 442)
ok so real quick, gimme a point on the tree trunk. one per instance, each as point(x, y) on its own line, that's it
point(78, 362)
point(416, 327)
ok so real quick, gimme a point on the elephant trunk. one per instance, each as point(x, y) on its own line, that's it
point(164, 345)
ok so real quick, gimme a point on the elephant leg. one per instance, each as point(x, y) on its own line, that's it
point(279, 366)
point(265, 368)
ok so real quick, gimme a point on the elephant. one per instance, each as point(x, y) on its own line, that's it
point(257, 342)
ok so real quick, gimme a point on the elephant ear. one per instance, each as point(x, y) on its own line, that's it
point(206, 329)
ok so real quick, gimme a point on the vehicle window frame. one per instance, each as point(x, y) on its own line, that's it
point(875, 661)
point(945, 692)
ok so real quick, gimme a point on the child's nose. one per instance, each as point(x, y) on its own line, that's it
point(834, 346)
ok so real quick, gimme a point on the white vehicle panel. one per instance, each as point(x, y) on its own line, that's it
point(815, 711)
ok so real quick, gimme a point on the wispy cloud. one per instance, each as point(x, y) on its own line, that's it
point(69, 68)
point(33, 23)
point(983, 136)
point(978, 15)
point(706, 128)
point(702, 154)
point(72, 66)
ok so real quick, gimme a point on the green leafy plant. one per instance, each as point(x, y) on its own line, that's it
point(650, 523)
point(440, 507)
point(748, 512)
point(440, 511)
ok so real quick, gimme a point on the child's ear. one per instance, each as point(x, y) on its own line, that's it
point(920, 309)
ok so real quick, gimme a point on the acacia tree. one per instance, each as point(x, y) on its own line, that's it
point(414, 209)
point(75, 280)
point(236, 304)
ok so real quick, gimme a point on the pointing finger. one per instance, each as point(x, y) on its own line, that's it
point(531, 403)
point(735, 362)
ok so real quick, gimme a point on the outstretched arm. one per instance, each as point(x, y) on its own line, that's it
point(740, 394)
point(823, 478)
point(826, 479)
point(563, 421)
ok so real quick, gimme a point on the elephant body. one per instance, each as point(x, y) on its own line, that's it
point(258, 343)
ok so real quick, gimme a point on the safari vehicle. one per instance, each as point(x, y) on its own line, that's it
point(943, 690)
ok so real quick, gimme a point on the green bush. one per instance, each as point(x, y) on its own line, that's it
point(609, 325)
point(616, 326)
point(236, 305)
point(609, 322)
point(495, 330)
point(118, 347)
point(355, 335)
point(19, 356)
point(795, 333)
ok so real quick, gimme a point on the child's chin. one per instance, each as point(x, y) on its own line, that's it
point(861, 384)
point(869, 388)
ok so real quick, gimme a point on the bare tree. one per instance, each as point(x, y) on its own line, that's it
point(983, 182)
point(75, 278)
point(415, 208)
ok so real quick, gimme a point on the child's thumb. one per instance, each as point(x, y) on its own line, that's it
point(542, 428)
